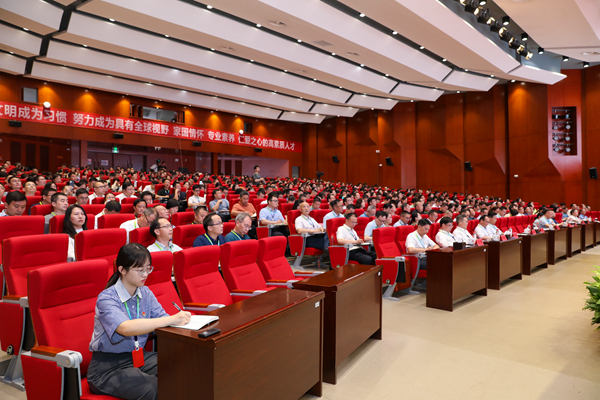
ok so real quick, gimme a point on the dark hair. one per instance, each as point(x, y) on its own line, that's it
point(138, 201)
point(413, 216)
point(68, 227)
point(195, 187)
point(404, 213)
point(431, 212)
point(113, 205)
point(256, 166)
point(130, 256)
point(55, 197)
point(126, 185)
point(388, 205)
point(15, 196)
point(381, 213)
point(349, 215)
point(272, 196)
point(37, 178)
point(81, 191)
point(172, 203)
point(146, 193)
point(244, 193)
point(47, 191)
point(197, 209)
point(459, 218)
point(208, 221)
point(423, 222)
point(215, 191)
point(445, 220)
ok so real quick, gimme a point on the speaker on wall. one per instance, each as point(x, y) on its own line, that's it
point(468, 166)
point(593, 173)
point(118, 136)
point(388, 161)
point(247, 127)
point(336, 160)
point(197, 144)
point(258, 149)
point(15, 124)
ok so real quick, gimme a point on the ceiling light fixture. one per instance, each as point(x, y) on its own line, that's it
point(512, 80)
point(394, 33)
point(422, 47)
point(565, 58)
point(362, 65)
point(524, 37)
point(299, 41)
point(251, 60)
point(361, 15)
point(444, 60)
point(491, 76)
point(258, 25)
point(85, 45)
point(505, 20)
point(586, 64)
point(166, 36)
point(540, 50)
point(482, 2)
point(209, 6)
point(111, 20)
point(333, 54)
point(25, 29)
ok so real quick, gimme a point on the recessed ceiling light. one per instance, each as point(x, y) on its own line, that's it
point(212, 49)
point(111, 20)
point(466, 70)
point(394, 33)
point(361, 15)
point(209, 6)
point(387, 74)
point(491, 76)
point(258, 25)
point(299, 41)
point(85, 45)
point(314, 79)
point(333, 54)
point(458, 91)
point(362, 65)
point(274, 91)
point(512, 80)
point(412, 101)
point(12, 52)
point(26, 29)
point(285, 70)
point(421, 47)
point(166, 36)
point(317, 115)
point(251, 60)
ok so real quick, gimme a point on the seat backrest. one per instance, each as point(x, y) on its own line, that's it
point(113, 220)
point(198, 277)
point(126, 208)
point(58, 221)
point(511, 223)
point(472, 225)
point(228, 227)
point(502, 223)
point(384, 241)
point(141, 236)
point(127, 200)
point(284, 208)
point(41, 209)
point(93, 209)
point(401, 233)
point(182, 218)
point(160, 283)
point(238, 263)
point(98, 201)
point(100, 243)
point(184, 235)
point(66, 321)
point(361, 226)
point(433, 230)
point(271, 258)
point(21, 226)
point(291, 217)
point(332, 227)
point(31, 200)
point(319, 214)
point(22, 254)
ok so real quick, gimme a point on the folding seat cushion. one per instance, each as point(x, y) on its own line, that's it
point(184, 235)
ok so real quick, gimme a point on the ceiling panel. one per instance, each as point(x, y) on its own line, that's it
point(411, 92)
point(11, 64)
point(329, 109)
point(19, 41)
point(35, 15)
point(298, 117)
point(92, 60)
point(363, 101)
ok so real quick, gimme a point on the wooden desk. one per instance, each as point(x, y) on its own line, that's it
point(504, 261)
point(269, 347)
point(456, 274)
point(558, 244)
point(596, 229)
point(575, 238)
point(589, 236)
point(352, 311)
point(535, 252)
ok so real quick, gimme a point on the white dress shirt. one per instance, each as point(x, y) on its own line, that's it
point(445, 239)
point(309, 223)
point(157, 246)
point(463, 235)
point(129, 226)
point(122, 196)
point(371, 226)
point(482, 232)
point(97, 217)
point(196, 199)
point(92, 197)
point(417, 241)
point(399, 223)
point(493, 230)
point(345, 232)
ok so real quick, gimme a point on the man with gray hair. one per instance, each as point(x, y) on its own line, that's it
point(144, 220)
point(370, 212)
point(243, 223)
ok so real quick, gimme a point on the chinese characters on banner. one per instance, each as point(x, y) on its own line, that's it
point(25, 112)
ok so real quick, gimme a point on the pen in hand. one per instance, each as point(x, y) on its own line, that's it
point(176, 306)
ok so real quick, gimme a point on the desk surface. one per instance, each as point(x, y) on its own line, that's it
point(331, 280)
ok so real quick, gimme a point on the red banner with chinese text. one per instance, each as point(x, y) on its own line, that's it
point(24, 112)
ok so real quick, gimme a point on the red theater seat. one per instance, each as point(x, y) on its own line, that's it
point(401, 233)
point(161, 283)
point(298, 242)
point(240, 270)
point(338, 254)
point(100, 244)
point(41, 209)
point(182, 218)
point(184, 235)
point(141, 236)
point(272, 262)
point(389, 256)
point(57, 223)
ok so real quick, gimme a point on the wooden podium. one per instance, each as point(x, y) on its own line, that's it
point(535, 251)
point(455, 274)
point(352, 311)
point(558, 245)
point(269, 347)
point(504, 261)
point(576, 235)
point(589, 239)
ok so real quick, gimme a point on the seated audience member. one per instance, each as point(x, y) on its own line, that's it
point(404, 219)
point(100, 189)
point(378, 222)
point(109, 197)
point(370, 212)
point(307, 224)
point(60, 203)
point(213, 226)
point(481, 231)
point(118, 331)
point(162, 230)
point(30, 189)
point(172, 206)
point(200, 213)
point(148, 197)
point(350, 208)
point(112, 207)
point(220, 205)
point(432, 216)
point(14, 183)
point(128, 192)
point(144, 220)
point(347, 235)
point(546, 221)
point(583, 215)
point(47, 196)
point(415, 217)
point(444, 237)
point(336, 212)
point(40, 180)
point(461, 234)
point(68, 190)
point(389, 220)
point(82, 197)
point(2, 191)
point(162, 212)
point(270, 215)
point(15, 204)
point(139, 205)
point(418, 242)
point(492, 228)
point(75, 221)
point(150, 188)
point(195, 200)
point(316, 204)
point(163, 194)
point(243, 206)
point(243, 224)
point(573, 217)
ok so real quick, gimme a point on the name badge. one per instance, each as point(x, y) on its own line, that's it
point(503, 238)
point(479, 242)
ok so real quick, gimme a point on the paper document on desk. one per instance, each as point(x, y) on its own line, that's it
point(197, 322)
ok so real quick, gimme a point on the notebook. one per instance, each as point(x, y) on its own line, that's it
point(197, 322)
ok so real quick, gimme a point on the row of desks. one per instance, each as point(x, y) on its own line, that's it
point(454, 275)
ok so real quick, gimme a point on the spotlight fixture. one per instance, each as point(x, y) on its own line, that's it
point(524, 37)
point(394, 33)
point(482, 2)
point(586, 64)
point(362, 15)
point(471, 6)
point(540, 50)
point(483, 16)
point(513, 43)
point(512, 80)
point(529, 55)
point(565, 58)
point(495, 26)
point(505, 20)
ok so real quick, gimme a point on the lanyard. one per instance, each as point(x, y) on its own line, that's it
point(238, 236)
point(159, 248)
point(273, 214)
point(135, 338)
point(309, 221)
point(420, 239)
point(449, 234)
point(210, 240)
point(351, 232)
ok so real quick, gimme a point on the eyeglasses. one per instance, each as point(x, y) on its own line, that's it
point(166, 226)
point(144, 271)
point(216, 223)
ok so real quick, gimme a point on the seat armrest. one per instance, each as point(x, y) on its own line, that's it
point(246, 293)
point(306, 274)
point(14, 299)
point(305, 235)
point(63, 358)
point(282, 282)
point(202, 306)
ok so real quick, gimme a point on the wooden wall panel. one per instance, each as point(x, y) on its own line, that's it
point(405, 133)
point(389, 146)
point(309, 151)
point(331, 141)
point(591, 133)
point(362, 164)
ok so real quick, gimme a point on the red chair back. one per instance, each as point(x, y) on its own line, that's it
point(384, 240)
point(332, 226)
point(113, 220)
point(401, 233)
point(271, 258)
point(126, 208)
point(93, 209)
point(285, 207)
point(160, 283)
point(502, 223)
point(25, 253)
point(141, 236)
point(182, 218)
point(20, 226)
point(58, 221)
point(66, 321)
point(41, 209)
point(291, 217)
point(472, 225)
point(184, 235)
point(228, 227)
point(319, 214)
point(433, 230)
point(198, 277)
point(127, 200)
point(361, 226)
point(100, 243)
point(238, 263)
point(31, 200)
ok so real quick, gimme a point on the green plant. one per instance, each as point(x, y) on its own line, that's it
point(593, 302)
